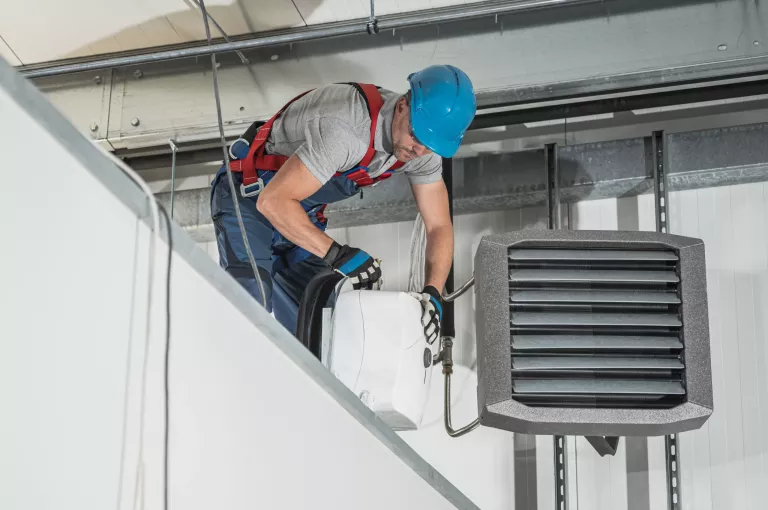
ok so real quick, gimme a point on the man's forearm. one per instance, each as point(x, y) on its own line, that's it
point(290, 219)
point(439, 255)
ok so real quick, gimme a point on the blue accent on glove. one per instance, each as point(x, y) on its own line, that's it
point(438, 306)
point(354, 262)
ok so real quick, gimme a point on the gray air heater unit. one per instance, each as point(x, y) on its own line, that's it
point(592, 333)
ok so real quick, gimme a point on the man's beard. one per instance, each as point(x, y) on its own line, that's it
point(404, 154)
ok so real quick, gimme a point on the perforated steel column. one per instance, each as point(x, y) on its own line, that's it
point(674, 502)
point(553, 222)
point(661, 200)
point(660, 181)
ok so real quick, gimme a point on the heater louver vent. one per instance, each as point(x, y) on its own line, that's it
point(596, 328)
point(591, 333)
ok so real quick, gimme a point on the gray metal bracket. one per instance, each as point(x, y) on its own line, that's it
point(553, 186)
point(660, 189)
point(604, 445)
point(554, 222)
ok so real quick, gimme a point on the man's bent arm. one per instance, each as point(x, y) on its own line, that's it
point(432, 202)
point(280, 203)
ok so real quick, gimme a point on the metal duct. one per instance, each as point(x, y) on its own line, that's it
point(306, 34)
point(592, 333)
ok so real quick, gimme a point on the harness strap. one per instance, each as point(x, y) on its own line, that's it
point(374, 101)
point(257, 159)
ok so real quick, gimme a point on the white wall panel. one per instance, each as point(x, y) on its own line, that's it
point(657, 474)
point(255, 421)
point(545, 472)
point(685, 216)
point(389, 242)
point(481, 464)
point(723, 464)
point(601, 481)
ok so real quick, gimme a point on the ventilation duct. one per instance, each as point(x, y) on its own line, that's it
point(592, 333)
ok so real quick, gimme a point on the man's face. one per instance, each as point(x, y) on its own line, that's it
point(406, 145)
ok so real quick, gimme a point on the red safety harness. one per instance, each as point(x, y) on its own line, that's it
point(257, 160)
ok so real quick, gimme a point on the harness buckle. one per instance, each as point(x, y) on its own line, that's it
point(232, 149)
point(252, 190)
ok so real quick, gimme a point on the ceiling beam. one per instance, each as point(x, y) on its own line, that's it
point(314, 33)
point(621, 168)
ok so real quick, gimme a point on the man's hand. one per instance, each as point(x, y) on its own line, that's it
point(354, 263)
point(432, 312)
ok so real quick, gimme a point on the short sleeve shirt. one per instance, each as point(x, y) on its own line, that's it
point(329, 129)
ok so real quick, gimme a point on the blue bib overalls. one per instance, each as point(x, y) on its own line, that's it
point(285, 268)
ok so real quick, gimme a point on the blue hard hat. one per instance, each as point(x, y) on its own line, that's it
point(442, 107)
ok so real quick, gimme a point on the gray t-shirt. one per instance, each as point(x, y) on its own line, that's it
point(329, 129)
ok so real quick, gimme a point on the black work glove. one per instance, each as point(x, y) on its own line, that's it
point(432, 312)
point(354, 263)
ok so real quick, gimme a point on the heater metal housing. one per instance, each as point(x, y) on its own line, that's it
point(592, 333)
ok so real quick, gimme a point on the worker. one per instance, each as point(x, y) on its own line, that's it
point(328, 144)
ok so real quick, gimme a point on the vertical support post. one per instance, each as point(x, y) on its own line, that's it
point(553, 186)
point(448, 326)
point(174, 149)
point(660, 181)
point(661, 200)
point(561, 470)
point(554, 222)
point(674, 502)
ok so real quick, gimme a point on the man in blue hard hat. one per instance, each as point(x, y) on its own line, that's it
point(328, 144)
